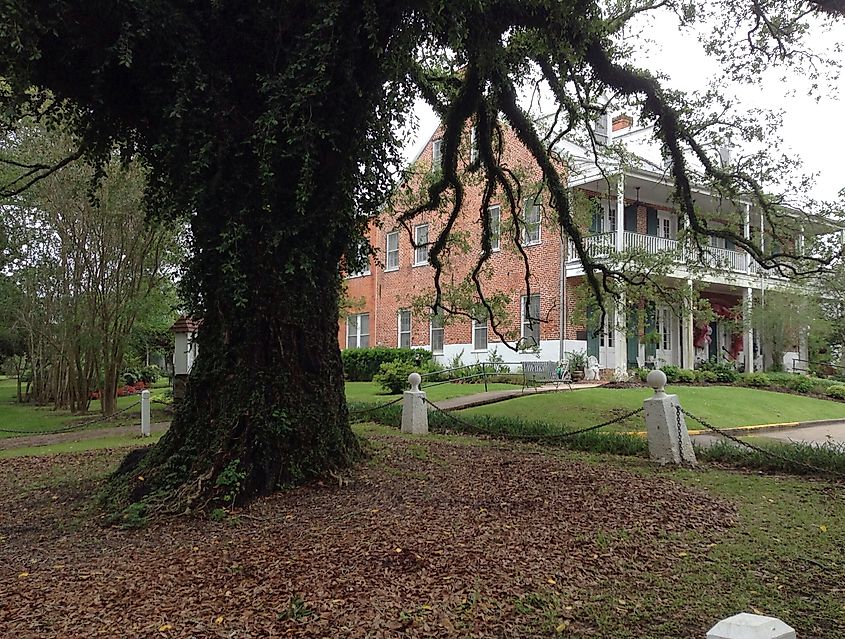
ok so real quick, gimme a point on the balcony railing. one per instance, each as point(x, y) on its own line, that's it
point(603, 245)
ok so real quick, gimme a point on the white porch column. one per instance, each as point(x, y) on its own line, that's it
point(620, 212)
point(620, 340)
point(687, 327)
point(748, 329)
point(746, 233)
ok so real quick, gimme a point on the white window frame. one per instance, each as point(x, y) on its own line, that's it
point(358, 334)
point(526, 239)
point(526, 323)
point(473, 145)
point(420, 249)
point(437, 154)
point(388, 251)
point(478, 326)
point(495, 228)
point(362, 273)
point(440, 329)
point(400, 332)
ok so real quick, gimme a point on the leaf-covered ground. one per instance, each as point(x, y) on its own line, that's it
point(429, 538)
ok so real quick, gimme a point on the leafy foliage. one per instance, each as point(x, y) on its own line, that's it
point(362, 364)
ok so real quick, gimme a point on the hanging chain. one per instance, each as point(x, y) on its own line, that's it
point(762, 451)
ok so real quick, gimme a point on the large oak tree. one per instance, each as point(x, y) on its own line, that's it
point(272, 127)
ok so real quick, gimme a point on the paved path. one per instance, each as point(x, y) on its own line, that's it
point(831, 431)
point(491, 397)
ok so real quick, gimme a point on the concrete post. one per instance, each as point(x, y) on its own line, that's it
point(668, 439)
point(145, 413)
point(414, 410)
point(748, 626)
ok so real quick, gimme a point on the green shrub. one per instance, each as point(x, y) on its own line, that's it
point(642, 373)
point(801, 384)
point(757, 380)
point(393, 376)
point(725, 372)
point(686, 376)
point(130, 376)
point(361, 364)
point(836, 391)
point(706, 377)
point(150, 374)
point(671, 373)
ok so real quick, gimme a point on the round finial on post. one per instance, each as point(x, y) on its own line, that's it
point(657, 380)
point(414, 380)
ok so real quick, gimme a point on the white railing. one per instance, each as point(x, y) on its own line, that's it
point(604, 245)
point(596, 246)
point(649, 243)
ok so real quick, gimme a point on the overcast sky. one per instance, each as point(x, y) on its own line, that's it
point(812, 129)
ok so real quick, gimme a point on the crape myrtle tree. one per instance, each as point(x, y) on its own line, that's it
point(274, 128)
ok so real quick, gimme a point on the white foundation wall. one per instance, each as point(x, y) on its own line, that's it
point(549, 351)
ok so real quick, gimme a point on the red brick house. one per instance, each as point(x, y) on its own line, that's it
point(635, 213)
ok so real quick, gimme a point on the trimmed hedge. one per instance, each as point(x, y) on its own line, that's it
point(361, 364)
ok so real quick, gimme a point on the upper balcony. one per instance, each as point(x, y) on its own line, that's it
point(723, 262)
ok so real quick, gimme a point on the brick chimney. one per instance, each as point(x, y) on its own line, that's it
point(622, 121)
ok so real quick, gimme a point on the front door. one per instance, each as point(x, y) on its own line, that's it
point(666, 226)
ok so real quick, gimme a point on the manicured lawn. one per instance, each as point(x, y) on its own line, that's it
point(723, 406)
point(372, 392)
point(35, 419)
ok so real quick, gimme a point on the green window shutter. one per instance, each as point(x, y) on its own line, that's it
point(730, 244)
point(652, 221)
point(592, 337)
point(596, 219)
point(633, 342)
point(631, 218)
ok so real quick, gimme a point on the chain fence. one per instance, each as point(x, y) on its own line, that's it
point(758, 449)
point(72, 427)
point(372, 409)
point(474, 428)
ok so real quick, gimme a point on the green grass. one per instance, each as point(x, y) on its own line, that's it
point(723, 406)
point(370, 392)
point(35, 419)
point(81, 446)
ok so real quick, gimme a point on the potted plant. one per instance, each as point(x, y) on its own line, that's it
point(577, 362)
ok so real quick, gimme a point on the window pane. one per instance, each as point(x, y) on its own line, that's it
point(351, 331)
point(479, 336)
point(392, 257)
point(436, 154)
point(531, 230)
point(495, 226)
point(421, 241)
point(531, 320)
point(364, 323)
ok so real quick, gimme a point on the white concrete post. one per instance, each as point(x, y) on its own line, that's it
point(748, 626)
point(145, 413)
point(668, 440)
point(414, 410)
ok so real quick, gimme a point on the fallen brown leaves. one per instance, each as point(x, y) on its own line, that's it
point(430, 539)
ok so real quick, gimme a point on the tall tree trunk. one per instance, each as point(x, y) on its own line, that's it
point(265, 405)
